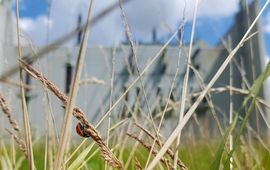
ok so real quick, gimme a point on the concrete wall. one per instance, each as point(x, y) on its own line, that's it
point(94, 98)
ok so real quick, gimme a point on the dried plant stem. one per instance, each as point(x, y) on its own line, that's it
point(185, 84)
point(149, 148)
point(173, 83)
point(16, 136)
point(111, 101)
point(169, 151)
point(135, 62)
point(134, 146)
point(138, 165)
point(16, 84)
point(209, 100)
point(19, 141)
point(93, 80)
point(235, 90)
point(73, 95)
point(7, 111)
point(78, 113)
point(147, 132)
point(26, 121)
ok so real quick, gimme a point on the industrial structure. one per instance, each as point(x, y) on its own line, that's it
point(95, 93)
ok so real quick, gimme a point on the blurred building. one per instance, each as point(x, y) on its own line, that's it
point(100, 63)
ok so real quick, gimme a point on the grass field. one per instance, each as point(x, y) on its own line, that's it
point(139, 140)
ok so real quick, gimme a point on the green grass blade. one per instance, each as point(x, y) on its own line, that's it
point(80, 158)
point(259, 81)
point(254, 92)
point(218, 156)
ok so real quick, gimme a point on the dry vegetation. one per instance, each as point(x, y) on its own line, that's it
point(136, 142)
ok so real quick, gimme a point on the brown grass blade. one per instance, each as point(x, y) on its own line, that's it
point(26, 122)
point(7, 111)
point(19, 141)
point(149, 148)
point(169, 151)
point(62, 147)
point(138, 165)
point(16, 136)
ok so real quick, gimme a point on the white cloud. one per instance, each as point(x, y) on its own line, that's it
point(218, 8)
point(142, 16)
point(266, 26)
point(36, 28)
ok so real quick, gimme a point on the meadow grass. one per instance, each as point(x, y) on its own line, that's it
point(196, 156)
point(135, 141)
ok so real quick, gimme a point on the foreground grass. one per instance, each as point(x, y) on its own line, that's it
point(247, 150)
point(195, 154)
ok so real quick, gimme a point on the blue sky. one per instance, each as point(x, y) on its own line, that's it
point(33, 8)
point(215, 17)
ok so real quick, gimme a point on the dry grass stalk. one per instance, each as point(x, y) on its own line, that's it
point(65, 132)
point(169, 151)
point(19, 141)
point(93, 80)
point(135, 62)
point(236, 91)
point(7, 111)
point(16, 136)
point(248, 162)
point(185, 88)
point(138, 165)
point(149, 148)
point(26, 121)
point(208, 98)
point(147, 132)
point(16, 84)
point(77, 113)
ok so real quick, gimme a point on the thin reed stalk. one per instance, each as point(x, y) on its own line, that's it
point(235, 90)
point(185, 83)
point(135, 63)
point(169, 151)
point(16, 84)
point(209, 100)
point(231, 114)
point(27, 129)
point(149, 148)
point(73, 95)
point(111, 101)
